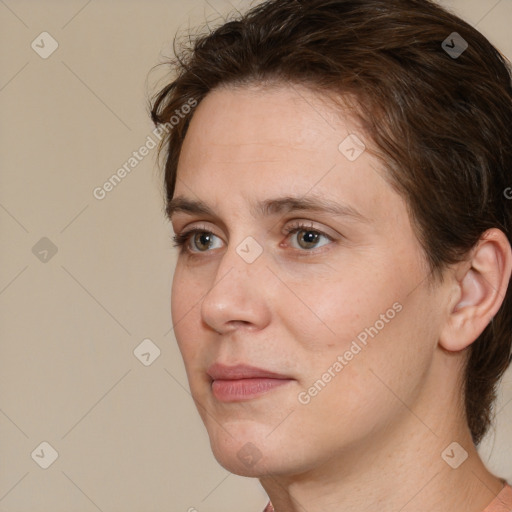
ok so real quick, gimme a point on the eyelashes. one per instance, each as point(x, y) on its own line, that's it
point(183, 240)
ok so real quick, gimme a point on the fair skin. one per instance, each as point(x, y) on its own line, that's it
point(372, 438)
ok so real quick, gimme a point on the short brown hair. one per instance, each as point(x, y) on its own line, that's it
point(441, 122)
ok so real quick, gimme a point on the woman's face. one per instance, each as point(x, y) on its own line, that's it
point(336, 313)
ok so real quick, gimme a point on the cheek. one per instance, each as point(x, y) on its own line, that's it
point(393, 346)
point(186, 295)
point(178, 298)
point(370, 319)
point(372, 385)
point(340, 305)
point(185, 301)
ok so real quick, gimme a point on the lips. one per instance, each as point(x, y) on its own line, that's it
point(219, 371)
point(243, 382)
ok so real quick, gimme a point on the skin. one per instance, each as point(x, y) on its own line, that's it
point(373, 437)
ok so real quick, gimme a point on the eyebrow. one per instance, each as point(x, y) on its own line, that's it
point(270, 207)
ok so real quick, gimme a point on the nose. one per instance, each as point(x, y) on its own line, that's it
point(239, 296)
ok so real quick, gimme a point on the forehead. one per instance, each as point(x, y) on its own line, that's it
point(253, 121)
point(254, 142)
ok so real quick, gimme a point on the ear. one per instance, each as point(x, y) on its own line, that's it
point(479, 291)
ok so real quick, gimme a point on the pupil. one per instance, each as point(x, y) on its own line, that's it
point(310, 237)
point(203, 238)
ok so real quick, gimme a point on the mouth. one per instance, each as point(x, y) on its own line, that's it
point(243, 382)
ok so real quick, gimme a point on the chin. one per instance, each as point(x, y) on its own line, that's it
point(252, 453)
point(250, 463)
point(246, 451)
point(243, 459)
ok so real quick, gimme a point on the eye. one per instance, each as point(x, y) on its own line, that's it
point(309, 238)
point(201, 239)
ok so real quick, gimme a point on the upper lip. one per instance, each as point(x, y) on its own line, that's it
point(218, 371)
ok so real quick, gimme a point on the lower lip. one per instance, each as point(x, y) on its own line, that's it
point(244, 389)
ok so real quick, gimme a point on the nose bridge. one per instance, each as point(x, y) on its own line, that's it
point(242, 261)
point(238, 292)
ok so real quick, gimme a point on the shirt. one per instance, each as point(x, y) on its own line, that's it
point(502, 502)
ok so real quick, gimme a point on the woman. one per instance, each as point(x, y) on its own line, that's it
point(336, 176)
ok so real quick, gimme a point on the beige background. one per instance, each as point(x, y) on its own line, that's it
point(128, 436)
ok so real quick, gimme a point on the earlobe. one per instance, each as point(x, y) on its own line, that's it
point(481, 291)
